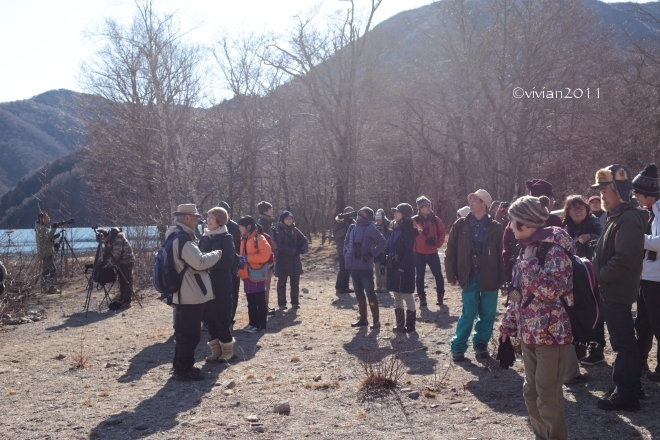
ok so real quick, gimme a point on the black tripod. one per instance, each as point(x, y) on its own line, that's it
point(64, 247)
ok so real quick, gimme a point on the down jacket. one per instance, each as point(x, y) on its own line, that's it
point(435, 228)
point(540, 318)
point(196, 285)
point(258, 252)
point(651, 268)
point(401, 244)
point(291, 243)
point(371, 242)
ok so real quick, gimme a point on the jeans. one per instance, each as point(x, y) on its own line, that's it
point(363, 283)
point(433, 260)
point(647, 323)
point(626, 372)
point(476, 304)
point(188, 319)
point(344, 274)
point(126, 285)
point(281, 289)
point(543, 389)
point(257, 310)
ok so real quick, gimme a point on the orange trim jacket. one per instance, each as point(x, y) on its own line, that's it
point(436, 229)
point(256, 256)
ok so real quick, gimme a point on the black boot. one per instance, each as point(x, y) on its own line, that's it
point(400, 326)
point(441, 298)
point(411, 317)
point(362, 309)
point(375, 314)
point(596, 355)
point(422, 300)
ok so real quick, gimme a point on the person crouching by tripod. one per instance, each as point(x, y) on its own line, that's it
point(45, 238)
point(218, 311)
point(119, 253)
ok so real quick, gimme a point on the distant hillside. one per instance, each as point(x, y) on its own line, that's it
point(37, 130)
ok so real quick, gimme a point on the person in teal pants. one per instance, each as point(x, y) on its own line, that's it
point(473, 260)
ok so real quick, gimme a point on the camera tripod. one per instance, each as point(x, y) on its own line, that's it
point(64, 248)
point(106, 290)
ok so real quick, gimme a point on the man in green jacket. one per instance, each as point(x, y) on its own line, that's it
point(473, 260)
point(618, 260)
point(45, 238)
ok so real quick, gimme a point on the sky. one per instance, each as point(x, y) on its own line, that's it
point(43, 41)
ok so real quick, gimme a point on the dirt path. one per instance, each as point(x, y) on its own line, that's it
point(309, 357)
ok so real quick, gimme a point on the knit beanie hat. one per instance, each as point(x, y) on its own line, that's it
point(421, 201)
point(405, 209)
point(380, 214)
point(616, 177)
point(366, 213)
point(262, 207)
point(284, 215)
point(349, 209)
point(538, 188)
point(646, 182)
point(530, 211)
point(224, 205)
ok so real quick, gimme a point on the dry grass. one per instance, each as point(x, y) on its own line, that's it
point(361, 415)
point(270, 376)
point(429, 394)
point(380, 377)
point(250, 376)
point(80, 359)
point(322, 385)
point(295, 359)
point(12, 392)
point(104, 394)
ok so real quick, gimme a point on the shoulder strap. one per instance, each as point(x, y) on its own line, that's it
point(542, 252)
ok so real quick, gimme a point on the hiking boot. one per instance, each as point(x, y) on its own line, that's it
point(457, 357)
point(654, 376)
point(295, 306)
point(349, 290)
point(616, 402)
point(422, 300)
point(481, 351)
point(577, 379)
point(441, 298)
point(641, 395)
point(271, 311)
point(411, 318)
point(580, 351)
point(360, 323)
point(595, 355)
point(250, 329)
point(227, 351)
point(400, 326)
point(375, 314)
point(125, 305)
point(193, 375)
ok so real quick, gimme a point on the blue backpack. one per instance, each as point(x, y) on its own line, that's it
point(166, 280)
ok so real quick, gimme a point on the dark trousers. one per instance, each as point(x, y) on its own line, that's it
point(344, 274)
point(647, 323)
point(599, 333)
point(433, 261)
point(217, 314)
point(126, 282)
point(627, 372)
point(257, 310)
point(188, 319)
point(281, 289)
point(363, 283)
point(235, 287)
point(48, 271)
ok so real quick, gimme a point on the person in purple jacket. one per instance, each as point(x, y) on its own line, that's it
point(361, 244)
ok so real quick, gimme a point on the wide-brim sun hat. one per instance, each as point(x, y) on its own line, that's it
point(187, 209)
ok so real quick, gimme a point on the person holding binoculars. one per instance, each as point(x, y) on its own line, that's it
point(431, 237)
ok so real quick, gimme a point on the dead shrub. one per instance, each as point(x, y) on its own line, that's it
point(80, 359)
point(380, 377)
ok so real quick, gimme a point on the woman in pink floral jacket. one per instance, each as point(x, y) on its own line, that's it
point(539, 319)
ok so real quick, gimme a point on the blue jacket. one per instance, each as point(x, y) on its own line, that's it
point(372, 242)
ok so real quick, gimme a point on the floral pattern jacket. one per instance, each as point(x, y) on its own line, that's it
point(543, 319)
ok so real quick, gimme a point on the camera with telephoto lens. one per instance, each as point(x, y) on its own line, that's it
point(64, 223)
point(345, 215)
point(357, 250)
point(430, 241)
point(512, 292)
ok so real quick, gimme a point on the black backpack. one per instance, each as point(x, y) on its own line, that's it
point(105, 274)
point(585, 311)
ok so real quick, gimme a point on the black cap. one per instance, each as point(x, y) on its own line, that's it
point(646, 182)
point(405, 209)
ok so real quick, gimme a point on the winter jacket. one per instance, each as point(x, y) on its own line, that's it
point(45, 238)
point(540, 317)
point(291, 243)
point(458, 255)
point(258, 252)
point(619, 253)
point(435, 228)
point(339, 232)
point(590, 225)
point(266, 223)
point(221, 273)
point(651, 268)
point(384, 229)
point(196, 285)
point(400, 246)
point(602, 218)
point(372, 243)
point(120, 250)
point(510, 244)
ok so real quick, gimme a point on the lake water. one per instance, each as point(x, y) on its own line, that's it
point(82, 240)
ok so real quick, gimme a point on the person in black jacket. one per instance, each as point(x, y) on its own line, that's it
point(581, 225)
point(232, 228)
point(218, 311)
point(291, 243)
point(401, 267)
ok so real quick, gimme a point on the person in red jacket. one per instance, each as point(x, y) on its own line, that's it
point(510, 246)
point(431, 237)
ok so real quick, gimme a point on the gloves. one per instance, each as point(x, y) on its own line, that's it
point(367, 257)
point(382, 269)
point(505, 354)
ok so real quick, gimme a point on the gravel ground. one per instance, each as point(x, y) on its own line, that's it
point(310, 358)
